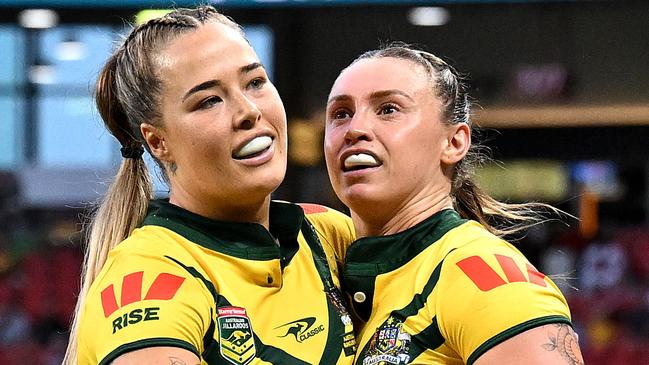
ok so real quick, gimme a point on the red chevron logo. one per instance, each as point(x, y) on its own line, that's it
point(312, 208)
point(486, 278)
point(164, 287)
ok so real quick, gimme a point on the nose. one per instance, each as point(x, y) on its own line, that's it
point(359, 128)
point(247, 113)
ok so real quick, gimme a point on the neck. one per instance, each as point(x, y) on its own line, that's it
point(401, 217)
point(252, 212)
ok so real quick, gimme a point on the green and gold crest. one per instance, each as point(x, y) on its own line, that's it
point(237, 344)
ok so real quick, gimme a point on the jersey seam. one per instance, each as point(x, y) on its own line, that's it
point(149, 342)
point(324, 240)
point(323, 237)
point(513, 331)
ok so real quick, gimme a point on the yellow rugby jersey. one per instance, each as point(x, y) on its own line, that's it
point(443, 292)
point(228, 292)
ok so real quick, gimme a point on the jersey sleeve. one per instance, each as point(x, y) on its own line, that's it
point(142, 300)
point(489, 292)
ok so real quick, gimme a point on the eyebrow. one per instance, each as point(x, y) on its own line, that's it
point(338, 98)
point(250, 67)
point(384, 93)
point(215, 83)
point(202, 86)
point(375, 95)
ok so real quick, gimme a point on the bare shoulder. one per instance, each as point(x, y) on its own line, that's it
point(555, 343)
point(158, 356)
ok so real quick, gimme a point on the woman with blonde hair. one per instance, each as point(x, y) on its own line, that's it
point(431, 279)
point(218, 273)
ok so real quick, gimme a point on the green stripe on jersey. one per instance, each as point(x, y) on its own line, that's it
point(520, 328)
point(334, 345)
point(428, 339)
point(149, 342)
point(431, 335)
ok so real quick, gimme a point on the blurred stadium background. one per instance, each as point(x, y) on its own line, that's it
point(562, 91)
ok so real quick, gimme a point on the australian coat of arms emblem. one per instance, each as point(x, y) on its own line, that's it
point(237, 344)
point(389, 345)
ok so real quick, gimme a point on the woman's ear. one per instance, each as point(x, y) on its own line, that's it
point(458, 143)
point(155, 138)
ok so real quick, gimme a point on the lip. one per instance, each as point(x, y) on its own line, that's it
point(355, 151)
point(260, 159)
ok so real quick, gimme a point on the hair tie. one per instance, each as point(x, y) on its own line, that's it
point(133, 151)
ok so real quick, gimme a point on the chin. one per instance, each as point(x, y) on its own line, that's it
point(360, 196)
point(268, 181)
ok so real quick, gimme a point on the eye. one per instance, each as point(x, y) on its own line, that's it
point(341, 114)
point(209, 102)
point(257, 83)
point(388, 109)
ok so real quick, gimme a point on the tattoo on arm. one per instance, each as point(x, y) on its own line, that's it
point(564, 340)
point(177, 361)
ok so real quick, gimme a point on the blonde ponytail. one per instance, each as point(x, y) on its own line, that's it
point(121, 210)
point(499, 218)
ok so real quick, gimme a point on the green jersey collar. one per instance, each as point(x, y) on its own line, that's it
point(370, 257)
point(240, 239)
point(380, 254)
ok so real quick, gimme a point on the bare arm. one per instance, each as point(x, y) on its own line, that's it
point(548, 344)
point(158, 356)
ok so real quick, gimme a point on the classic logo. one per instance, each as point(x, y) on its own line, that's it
point(301, 329)
point(164, 287)
point(486, 278)
point(389, 345)
point(237, 344)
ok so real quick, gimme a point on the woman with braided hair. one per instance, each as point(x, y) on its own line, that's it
point(218, 273)
point(430, 277)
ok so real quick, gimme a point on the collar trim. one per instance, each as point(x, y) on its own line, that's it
point(240, 239)
point(372, 256)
